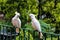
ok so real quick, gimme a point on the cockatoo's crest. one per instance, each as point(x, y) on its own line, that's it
point(17, 13)
point(31, 15)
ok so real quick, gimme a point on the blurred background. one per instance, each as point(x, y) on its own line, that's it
point(46, 11)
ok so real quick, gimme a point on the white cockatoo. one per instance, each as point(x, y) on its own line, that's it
point(16, 21)
point(36, 24)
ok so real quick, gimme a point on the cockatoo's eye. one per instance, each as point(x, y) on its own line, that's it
point(31, 16)
point(18, 15)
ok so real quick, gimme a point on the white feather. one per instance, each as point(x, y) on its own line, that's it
point(16, 21)
point(35, 23)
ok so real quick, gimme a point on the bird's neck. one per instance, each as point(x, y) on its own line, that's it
point(16, 16)
point(33, 19)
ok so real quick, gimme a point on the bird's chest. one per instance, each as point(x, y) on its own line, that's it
point(19, 20)
point(33, 25)
point(15, 21)
point(34, 21)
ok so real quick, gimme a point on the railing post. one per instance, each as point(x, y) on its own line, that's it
point(28, 35)
point(3, 33)
point(58, 37)
point(45, 35)
point(15, 33)
point(24, 34)
point(11, 34)
point(34, 35)
point(19, 33)
point(0, 31)
point(51, 36)
point(7, 33)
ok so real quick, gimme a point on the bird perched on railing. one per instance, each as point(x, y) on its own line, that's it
point(16, 22)
point(36, 24)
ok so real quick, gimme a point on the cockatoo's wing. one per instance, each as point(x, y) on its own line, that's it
point(19, 22)
point(16, 22)
point(36, 25)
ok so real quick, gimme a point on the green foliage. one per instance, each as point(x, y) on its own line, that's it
point(24, 35)
point(24, 7)
point(49, 7)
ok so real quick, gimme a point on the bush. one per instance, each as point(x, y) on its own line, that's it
point(24, 7)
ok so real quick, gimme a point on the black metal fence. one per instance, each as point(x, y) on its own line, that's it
point(8, 33)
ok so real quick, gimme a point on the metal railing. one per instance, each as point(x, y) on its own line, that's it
point(8, 33)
